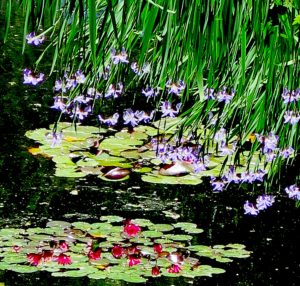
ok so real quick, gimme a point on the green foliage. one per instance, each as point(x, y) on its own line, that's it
point(246, 45)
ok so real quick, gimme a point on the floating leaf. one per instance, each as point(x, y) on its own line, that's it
point(179, 237)
point(111, 218)
point(161, 227)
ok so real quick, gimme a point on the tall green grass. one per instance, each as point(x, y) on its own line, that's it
point(251, 46)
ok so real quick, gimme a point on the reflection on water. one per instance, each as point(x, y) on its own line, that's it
point(30, 196)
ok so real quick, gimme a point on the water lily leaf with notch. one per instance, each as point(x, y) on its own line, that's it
point(135, 135)
point(130, 154)
point(236, 253)
point(80, 130)
point(152, 233)
point(87, 162)
point(58, 223)
point(149, 130)
point(179, 237)
point(14, 258)
point(161, 227)
point(74, 273)
point(103, 226)
point(155, 178)
point(98, 275)
point(24, 269)
point(142, 222)
point(85, 226)
point(111, 218)
point(134, 278)
point(69, 173)
point(142, 170)
point(37, 134)
point(188, 227)
point(236, 245)
point(63, 159)
point(149, 154)
point(223, 259)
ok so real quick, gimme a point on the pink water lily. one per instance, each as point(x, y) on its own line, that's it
point(63, 259)
point(117, 251)
point(95, 255)
point(131, 229)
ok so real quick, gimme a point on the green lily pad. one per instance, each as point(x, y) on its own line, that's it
point(111, 218)
point(24, 269)
point(173, 180)
point(161, 227)
point(152, 233)
point(179, 237)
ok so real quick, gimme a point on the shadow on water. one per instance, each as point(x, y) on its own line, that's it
point(30, 196)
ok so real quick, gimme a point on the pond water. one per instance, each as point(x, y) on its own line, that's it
point(30, 196)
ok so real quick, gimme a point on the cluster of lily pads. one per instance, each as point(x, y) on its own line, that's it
point(113, 248)
point(148, 146)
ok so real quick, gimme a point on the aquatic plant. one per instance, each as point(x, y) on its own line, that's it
point(132, 252)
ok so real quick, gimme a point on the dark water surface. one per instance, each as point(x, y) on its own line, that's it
point(30, 196)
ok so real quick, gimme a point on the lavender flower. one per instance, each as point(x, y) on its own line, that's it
point(149, 92)
point(287, 152)
point(114, 91)
point(59, 103)
point(167, 111)
point(291, 117)
point(218, 185)
point(93, 93)
point(31, 79)
point(32, 39)
point(264, 201)
point(142, 116)
point(119, 58)
point(269, 142)
point(140, 70)
point(251, 177)
point(80, 77)
point(111, 121)
point(220, 135)
point(106, 72)
point(130, 117)
point(54, 138)
point(81, 112)
point(231, 176)
point(174, 87)
point(293, 192)
point(227, 150)
point(250, 209)
point(270, 156)
point(223, 95)
point(60, 86)
point(290, 96)
point(209, 93)
point(201, 164)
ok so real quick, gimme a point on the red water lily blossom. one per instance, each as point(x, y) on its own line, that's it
point(157, 247)
point(132, 229)
point(133, 260)
point(47, 255)
point(34, 258)
point(117, 251)
point(95, 255)
point(63, 246)
point(155, 270)
point(174, 268)
point(63, 259)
